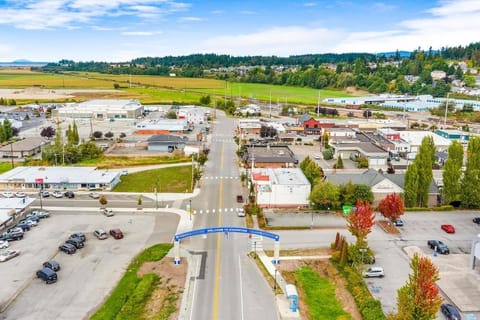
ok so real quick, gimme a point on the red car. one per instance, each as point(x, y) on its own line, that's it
point(448, 228)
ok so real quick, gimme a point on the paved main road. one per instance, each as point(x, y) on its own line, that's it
point(227, 283)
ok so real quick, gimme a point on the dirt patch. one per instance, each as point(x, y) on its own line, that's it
point(388, 227)
point(325, 269)
point(167, 296)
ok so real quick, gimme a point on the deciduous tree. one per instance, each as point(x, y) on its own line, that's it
point(360, 222)
point(471, 179)
point(324, 195)
point(452, 172)
point(419, 298)
point(391, 207)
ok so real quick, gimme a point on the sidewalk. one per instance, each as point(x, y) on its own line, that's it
point(281, 300)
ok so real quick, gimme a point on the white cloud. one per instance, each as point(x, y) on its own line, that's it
point(140, 33)
point(188, 19)
point(310, 4)
point(50, 14)
point(281, 41)
point(381, 6)
point(217, 12)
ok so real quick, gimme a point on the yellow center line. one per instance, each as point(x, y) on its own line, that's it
point(217, 261)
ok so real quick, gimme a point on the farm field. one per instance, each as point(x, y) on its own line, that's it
point(160, 89)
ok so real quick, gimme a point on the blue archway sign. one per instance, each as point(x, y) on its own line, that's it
point(199, 232)
point(205, 231)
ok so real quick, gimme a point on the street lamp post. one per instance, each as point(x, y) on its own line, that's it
point(311, 224)
point(41, 196)
point(275, 282)
point(190, 209)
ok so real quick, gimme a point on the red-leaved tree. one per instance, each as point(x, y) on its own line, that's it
point(360, 222)
point(391, 207)
point(419, 298)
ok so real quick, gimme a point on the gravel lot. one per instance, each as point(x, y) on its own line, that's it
point(86, 277)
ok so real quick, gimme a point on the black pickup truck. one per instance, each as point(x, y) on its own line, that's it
point(438, 246)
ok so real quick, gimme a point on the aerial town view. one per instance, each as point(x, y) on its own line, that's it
point(239, 160)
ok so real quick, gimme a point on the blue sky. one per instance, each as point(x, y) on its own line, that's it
point(120, 30)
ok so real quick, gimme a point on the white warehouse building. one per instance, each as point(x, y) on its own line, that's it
point(281, 187)
point(101, 110)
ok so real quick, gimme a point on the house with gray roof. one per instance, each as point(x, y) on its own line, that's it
point(381, 184)
point(269, 156)
point(166, 143)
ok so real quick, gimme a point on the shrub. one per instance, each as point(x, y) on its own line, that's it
point(133, 308)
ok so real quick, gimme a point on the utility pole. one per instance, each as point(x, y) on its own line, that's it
point(11, 154)
point(446, 110)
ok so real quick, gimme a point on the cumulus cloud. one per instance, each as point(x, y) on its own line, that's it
point(52, 14)
point(188, 19)
point(140, 33)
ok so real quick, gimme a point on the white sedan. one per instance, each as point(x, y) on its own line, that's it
point(57, 194)
point(8, 254)
point(3, 244)
point(8, 194)
point(20, 194)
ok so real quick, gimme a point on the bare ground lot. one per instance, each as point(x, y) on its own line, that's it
point(86, 277)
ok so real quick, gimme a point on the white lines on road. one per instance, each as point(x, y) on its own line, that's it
point(217, 178)
point(219, 210)
point(241, 286)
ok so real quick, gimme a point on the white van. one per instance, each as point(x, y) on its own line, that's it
point(374, 272)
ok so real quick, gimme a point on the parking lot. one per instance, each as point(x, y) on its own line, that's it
point(458, 284)
point(86, 277)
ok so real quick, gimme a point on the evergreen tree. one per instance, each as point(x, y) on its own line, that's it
point(452, 172)
point(339, 162)
point(69, 134)
point(76, 136)
point(411, 185)
point(2, 134)
point(7, 127)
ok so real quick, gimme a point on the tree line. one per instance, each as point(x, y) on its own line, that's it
point(375, 73)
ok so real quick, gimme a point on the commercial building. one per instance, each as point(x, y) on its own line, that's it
point(266, 156)
point(23, 148)
point(162, 126)
point(193, 114)
point(58, 178)
point(101, 110)
point(457, 135)
point(11, 208)
point(281, 187)
point(166, 143)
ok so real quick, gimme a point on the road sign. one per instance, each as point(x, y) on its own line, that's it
point(204, 231)
point(38, 180)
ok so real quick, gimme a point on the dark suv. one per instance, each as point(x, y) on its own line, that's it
point(24, 225)
point(68, 248)
point(438, 246)
point(47, 275)
point(76, 242)
point(79, 235)
point(69, 194)
point(52, 264)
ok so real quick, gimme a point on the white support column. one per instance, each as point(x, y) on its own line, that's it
point(276, 252)
point(176, 251)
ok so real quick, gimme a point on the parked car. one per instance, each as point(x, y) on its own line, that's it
point(239, 198)
point(68, 248)
point(44, 194)
point(94, 195)
point(69, 194)
point(57, 194)
point(79, 244)
point(9, 254)
point(240, 212)
point(12, 235)
point(3, 244)
point(476, 220)
point(448, 228)
point(48, 275)
point(316, 157)
point(79, 235)
point(24, 225)
point(100, 234)
point(8, 194)
point(374, 272)
point(450, 312)
point(52, 264)
point(20, 194)
point(439, 246)
point(41, 214)
point(399, 222)
point(108, 212)
point(31, 217)
point(116, 233)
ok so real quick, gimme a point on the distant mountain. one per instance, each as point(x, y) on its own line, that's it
point(403, 54)
point(23, 63)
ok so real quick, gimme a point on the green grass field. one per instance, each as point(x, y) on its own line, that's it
point(320, 296)
point(5, 166)
point(175, 179)
point(161, 89)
